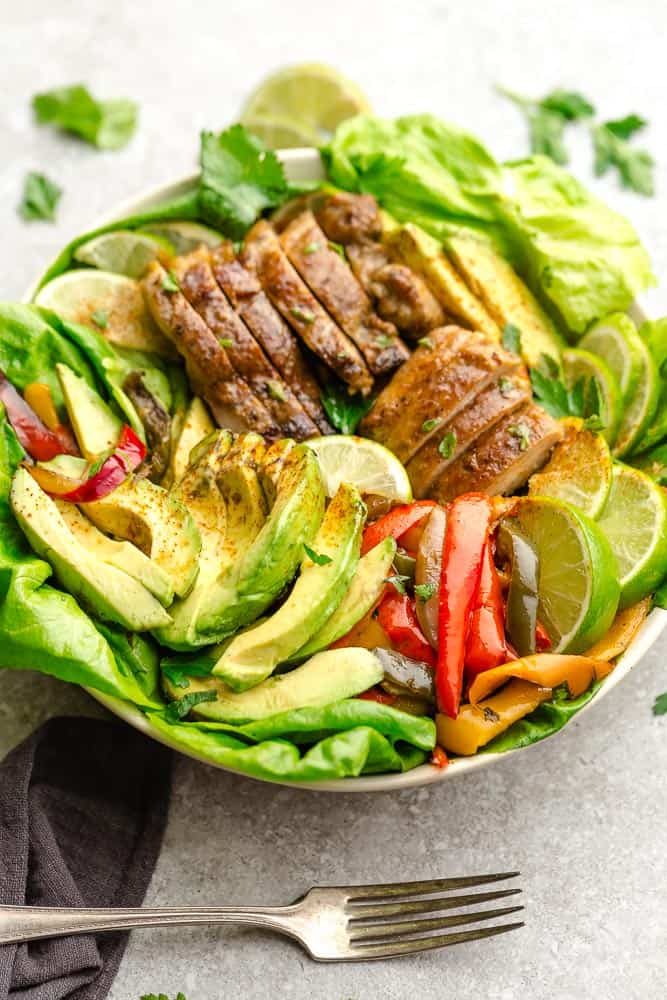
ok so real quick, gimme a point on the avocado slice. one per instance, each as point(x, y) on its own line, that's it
point(318, 591)
point(122, 555)
point(272, 466)
point(106, 590)
point(96, 426)
point(423, 254)
point(197, 425)
point(505, 296)
point(366, 589)
point(146, 515)
point(271, 561)
point(330, 676)
point(198, 491)
point(70, 466)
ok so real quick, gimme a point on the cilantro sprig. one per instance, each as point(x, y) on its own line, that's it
point(40, 198)
point(105, 124)
point(660, 704)
point(548, 117)
point(583, 399)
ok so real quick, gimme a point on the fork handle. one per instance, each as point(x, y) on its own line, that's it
point(29, 923)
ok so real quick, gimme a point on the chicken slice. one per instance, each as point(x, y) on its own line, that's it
point(269, 329)
point(451, 439)
point(197, 282)
point(441, 378)
point(210, 371)
point(504, 458)
point(264, 255)
point(349, 218)
point(333, 283)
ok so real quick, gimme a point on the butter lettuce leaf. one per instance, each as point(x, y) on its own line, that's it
point(544, 721)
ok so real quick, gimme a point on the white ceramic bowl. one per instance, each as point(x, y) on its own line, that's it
point(305, 165)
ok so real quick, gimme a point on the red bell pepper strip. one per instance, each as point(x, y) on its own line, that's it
point(542, 640)
point(130, 452)
point(377, 695)
point(466, 536)
point(396, 523)
point(34, 436)
point(487, 646)
point(398, 618)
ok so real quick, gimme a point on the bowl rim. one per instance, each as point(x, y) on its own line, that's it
point(305, 165)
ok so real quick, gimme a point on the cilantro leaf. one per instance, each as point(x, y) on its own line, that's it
point(398, 581)
point(105, 124)
point(319, 559)
point(239, 180)
point(276, 391)
point(344, 411)
point(177, 710)
point(547, 130)
point(170, 282)
point(447, 445)
point(425, 591)
point(613, 151)
point(161, 996)
point(660, 704)
point(521, 432)
point(583, 399)
point(40, 198)
point(569, 104)
point(431, 424)
point(625, 128)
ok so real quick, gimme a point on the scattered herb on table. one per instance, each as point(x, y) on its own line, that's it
point(161, 996)
point(320, 559)
point(613, 151)
point(548, 117)
point(105, 124)
point(660, 704)
point(40, 198)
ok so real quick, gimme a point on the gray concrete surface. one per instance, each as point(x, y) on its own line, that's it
point(582, 816)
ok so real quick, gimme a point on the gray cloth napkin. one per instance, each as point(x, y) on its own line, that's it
point(83, 806)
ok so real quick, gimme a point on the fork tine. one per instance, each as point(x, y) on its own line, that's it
point(359, 892)
point(363, 911)
point(388, 950)
point(400, 930)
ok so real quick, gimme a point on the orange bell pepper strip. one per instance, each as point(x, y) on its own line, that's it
point(477, 725)
point(396, 523)
point(487, 646)
point(466, 538)
point(38, 397)
point(544, 669)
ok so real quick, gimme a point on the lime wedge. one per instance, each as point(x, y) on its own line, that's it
point(641, 407)
point(310, 98)
point(578, 472)
point(635, 523)
point(582, 364)
point(616, 341)
point(282, 133)
point(123, 252)
point(578, 578)
point(109, 303)
point(184, 236)
point(365, 464)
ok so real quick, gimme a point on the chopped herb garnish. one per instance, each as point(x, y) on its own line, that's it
point(521, 432)
point(384, 340)
point(40, 198)
point(431, 424)
point(302, 315)
point(105, 124)
point(177, 710)
point(399, 581)
point(100, 318)
point(276, 391)
point(310, 249)
point(161, 996)
point(337, 248)
point(320, 559)
point(426, 342)
point(512, 338)
point(660, 704)
point(447, 445)
point(170, 282)
point(583, 399)
point(344, 411)
point(425, 591)
point(225, 342)
point(506, 386)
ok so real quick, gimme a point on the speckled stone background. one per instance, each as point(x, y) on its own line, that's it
point(583, 816)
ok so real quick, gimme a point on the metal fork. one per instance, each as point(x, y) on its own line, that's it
point(339, 924)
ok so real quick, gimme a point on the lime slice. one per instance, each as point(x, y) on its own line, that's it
point(616, 341)
point(578, 578)
point(578, 472)
point(641, 407)
point(123, 252)
point(184, 236)
point(109, 303)
point(582, 364)
point(311, 98)
point(635, 523)
point(282, 133)
point(365, 464)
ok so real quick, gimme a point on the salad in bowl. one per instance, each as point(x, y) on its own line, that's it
point(339, 463)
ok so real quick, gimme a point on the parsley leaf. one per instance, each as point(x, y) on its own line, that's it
point(319, 559)
point(660, 704)
point(398, 581)
point(177, 710)
point(512, 338)
point(40, 198)
point(344, 411)
point(447, 445)
point(105, 124)
point(240, 178)
point(425, 591)
point(612, 150)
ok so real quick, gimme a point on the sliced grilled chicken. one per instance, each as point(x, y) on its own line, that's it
point(451, 439)
point(349, 218)
point(504, 458)
point(404, 298)
point(333, 283)
point(438, 381)
point(210, 371)
point(264, 255)
point(197, 282)
point(269, 329)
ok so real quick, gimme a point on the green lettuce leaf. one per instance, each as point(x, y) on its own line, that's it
point(544, 721)
point(136, 656)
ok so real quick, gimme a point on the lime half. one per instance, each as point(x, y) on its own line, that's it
point(578, 577)
point(308, 100)
point(123, 252)
point(365, 464)
point(578, 472)
point(635, 523)
point(184, 236)
point(640, 408)
point(582, 364)
point(109, 303)
point(616, 341)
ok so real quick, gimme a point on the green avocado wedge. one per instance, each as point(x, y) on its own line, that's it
point(328, 677)
point(96, 427)
point(108, 591)
point(319, 589)
point(140, 512)
point(366, 589)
